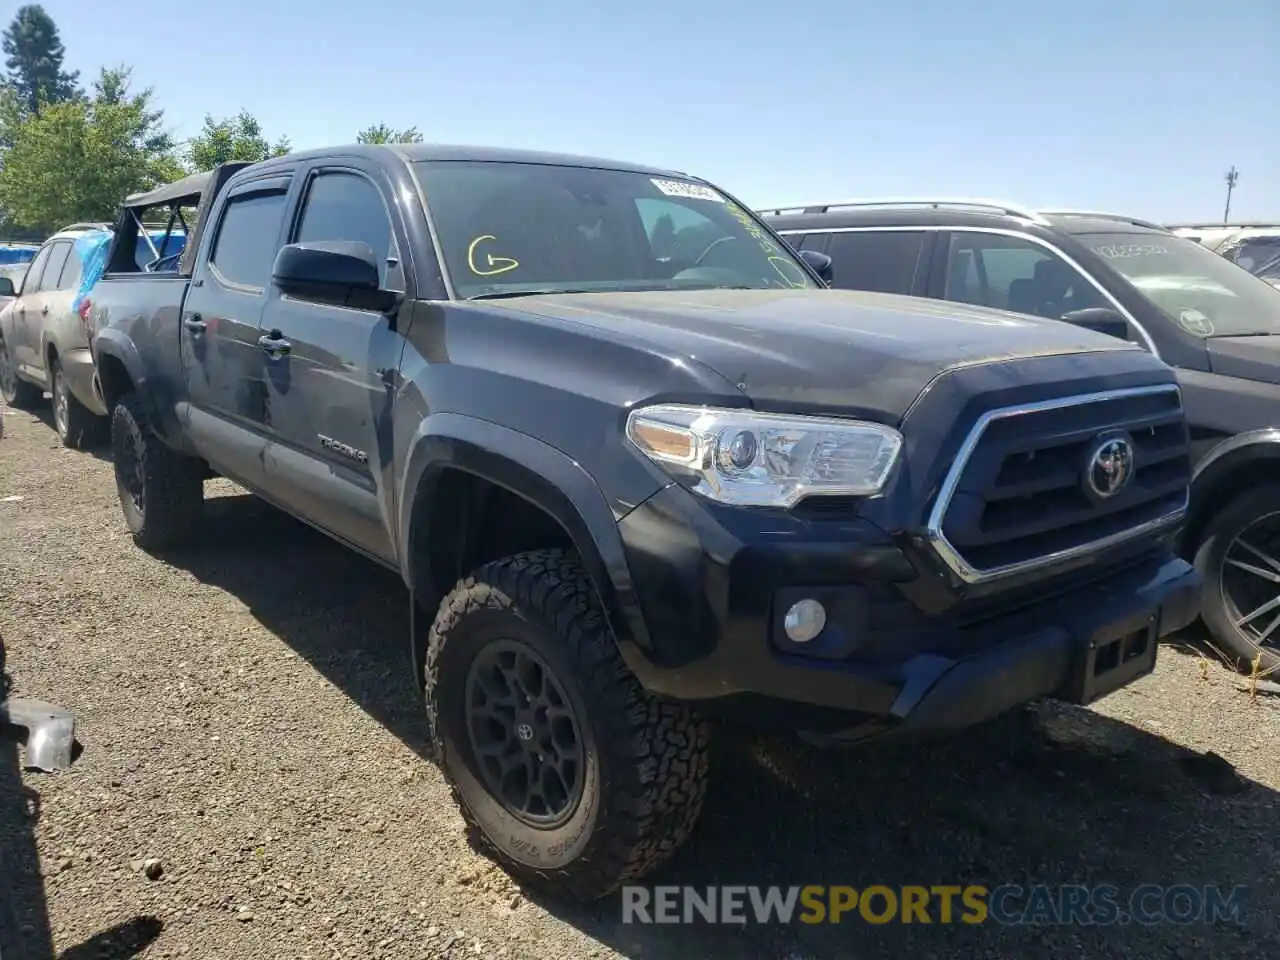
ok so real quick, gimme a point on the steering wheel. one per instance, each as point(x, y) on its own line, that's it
point(709, 247)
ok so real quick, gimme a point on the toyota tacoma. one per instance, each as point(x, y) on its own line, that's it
point(639, 467)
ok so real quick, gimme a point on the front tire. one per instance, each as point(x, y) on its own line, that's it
point(1239, 558)
point(76, 425)
point(572, 776)
point(161, 491)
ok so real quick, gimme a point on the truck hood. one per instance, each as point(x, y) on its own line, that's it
point(865, 354)
point(1249, 358)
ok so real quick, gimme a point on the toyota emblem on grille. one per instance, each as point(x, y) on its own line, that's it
point(1109, 467)
point(524, 731)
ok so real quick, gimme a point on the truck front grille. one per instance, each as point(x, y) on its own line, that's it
point(1019, 496)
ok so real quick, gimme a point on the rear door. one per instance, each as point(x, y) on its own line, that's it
point(54, 302)
point(883, 260)
point(222, 363)
point(330, 370)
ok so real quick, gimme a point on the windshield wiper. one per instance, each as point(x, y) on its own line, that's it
point(504, 294)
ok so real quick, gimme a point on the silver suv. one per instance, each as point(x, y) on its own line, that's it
point(43, 344)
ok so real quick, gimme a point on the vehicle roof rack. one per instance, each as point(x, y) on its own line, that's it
point(979, 204)
point(1102, 215)
point(1246, 225)
point(85, 226)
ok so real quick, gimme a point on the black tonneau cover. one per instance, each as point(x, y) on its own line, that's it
point(195, 190)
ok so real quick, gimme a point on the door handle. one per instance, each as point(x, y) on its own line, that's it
point(44, 311)
point(274, 345)
point(195, 323)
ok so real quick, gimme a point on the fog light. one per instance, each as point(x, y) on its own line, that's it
point(804, 621)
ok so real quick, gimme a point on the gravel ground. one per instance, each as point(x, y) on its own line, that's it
point(248, 722)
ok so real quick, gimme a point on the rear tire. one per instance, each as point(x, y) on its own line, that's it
point(161, 491)
point(16, 393)
point(77, 427)
point(1234, 536)
point(643, 770)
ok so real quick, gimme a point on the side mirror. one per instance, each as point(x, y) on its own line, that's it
point(339, 272)
point(6, 288)
point(1099, 319)
point(821, 264)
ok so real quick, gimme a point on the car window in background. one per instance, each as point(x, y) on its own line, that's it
point(57, 261)
point(512, 228)
point(880, 260)
point(1204, 293)
point(248, 238)
point(69, 278)
point(1010, 273)
point(347, 206)
point(31, 284)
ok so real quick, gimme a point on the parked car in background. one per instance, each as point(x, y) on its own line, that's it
point(1253, 246)
point(17, 251)
point(1217, 324)
point(1248, 245)
point(44, 345)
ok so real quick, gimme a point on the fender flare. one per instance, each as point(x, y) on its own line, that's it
point(536, 472)
point(1220, 462)
point(112, 343)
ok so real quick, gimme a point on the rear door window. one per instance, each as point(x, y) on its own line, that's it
point(53, 269)
point(69, 278)
point(248, 238)
point(881, 260)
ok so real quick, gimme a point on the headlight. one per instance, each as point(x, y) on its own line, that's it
point(766, 459)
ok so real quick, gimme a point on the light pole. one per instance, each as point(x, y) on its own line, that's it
point(1232, 176)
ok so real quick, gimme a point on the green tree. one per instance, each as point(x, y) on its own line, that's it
point(34, 55)
point(381, 133)
point(79, 159)
point(234, 138)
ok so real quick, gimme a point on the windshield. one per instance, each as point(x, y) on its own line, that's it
point(1204, 293)
point(512, 228)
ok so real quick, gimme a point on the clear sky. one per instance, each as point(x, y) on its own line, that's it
point(1137, 106)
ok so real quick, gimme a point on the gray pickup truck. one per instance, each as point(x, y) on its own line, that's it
point(638, 466)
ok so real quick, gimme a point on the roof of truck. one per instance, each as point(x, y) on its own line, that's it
point(433, 151)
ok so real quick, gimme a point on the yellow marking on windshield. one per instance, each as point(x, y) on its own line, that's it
point(791, 282)
point(496, 264)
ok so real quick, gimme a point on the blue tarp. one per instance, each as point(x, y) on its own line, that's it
point(92, 251)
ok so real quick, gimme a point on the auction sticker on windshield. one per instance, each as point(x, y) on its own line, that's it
point(691, 191)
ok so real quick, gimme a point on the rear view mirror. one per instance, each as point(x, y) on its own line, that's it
point(6, 287)
point(339, 272)
point(1101, 320)
point(820, 263)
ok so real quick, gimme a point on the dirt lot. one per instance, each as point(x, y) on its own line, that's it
point(248, 720)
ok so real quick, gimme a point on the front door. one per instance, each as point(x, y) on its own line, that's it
point(222, 361)
point(25, 346)
point(330, 373)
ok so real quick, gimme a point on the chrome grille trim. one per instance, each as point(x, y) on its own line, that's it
point(974, 575)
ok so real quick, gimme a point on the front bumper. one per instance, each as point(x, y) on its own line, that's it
point(713, 600)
